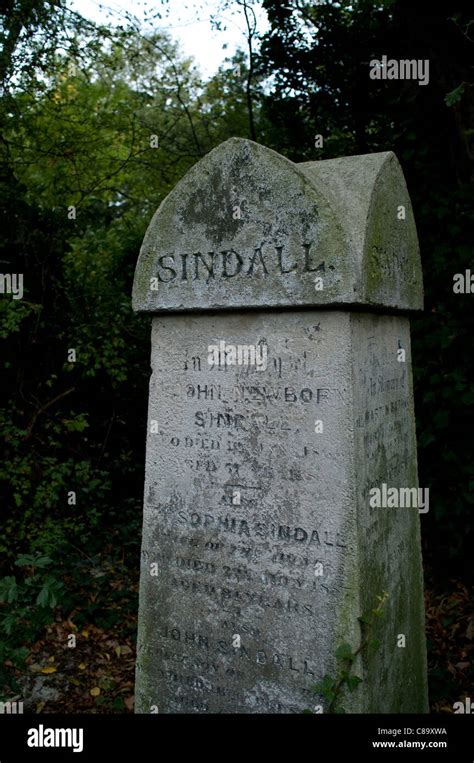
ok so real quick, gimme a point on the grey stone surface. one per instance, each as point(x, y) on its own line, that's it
point(246, 500)
point(335, 219)
point(388, 539)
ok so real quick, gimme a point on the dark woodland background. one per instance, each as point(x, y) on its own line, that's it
point(80, 102)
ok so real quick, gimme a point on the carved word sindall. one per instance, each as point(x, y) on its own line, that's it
point(228, 263)
point(223, 354)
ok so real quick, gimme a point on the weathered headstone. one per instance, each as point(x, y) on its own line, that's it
point(281, 395)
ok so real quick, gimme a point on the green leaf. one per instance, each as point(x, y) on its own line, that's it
point(353, 682)
point(9, 622)
point(344, 652)
point(42, 599)
point(374, 644)
point(8, 589)
point(18, 656)
point(30, 560)
point(47, 596)
point(455, 95)
point(326, 688)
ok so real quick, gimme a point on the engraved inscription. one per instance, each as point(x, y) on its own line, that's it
point(244, 514)
point(227, 264)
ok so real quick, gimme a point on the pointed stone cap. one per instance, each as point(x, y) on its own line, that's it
point(247, 228)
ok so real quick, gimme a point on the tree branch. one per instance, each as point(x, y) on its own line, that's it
point(43, 409)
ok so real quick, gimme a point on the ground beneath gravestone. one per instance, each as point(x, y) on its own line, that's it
point(97, 675)
point(94, 671)
point(450, 641)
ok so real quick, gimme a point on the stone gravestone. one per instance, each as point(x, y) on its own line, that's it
point(281, 395)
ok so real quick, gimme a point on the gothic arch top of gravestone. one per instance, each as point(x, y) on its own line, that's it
point(246, 227)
